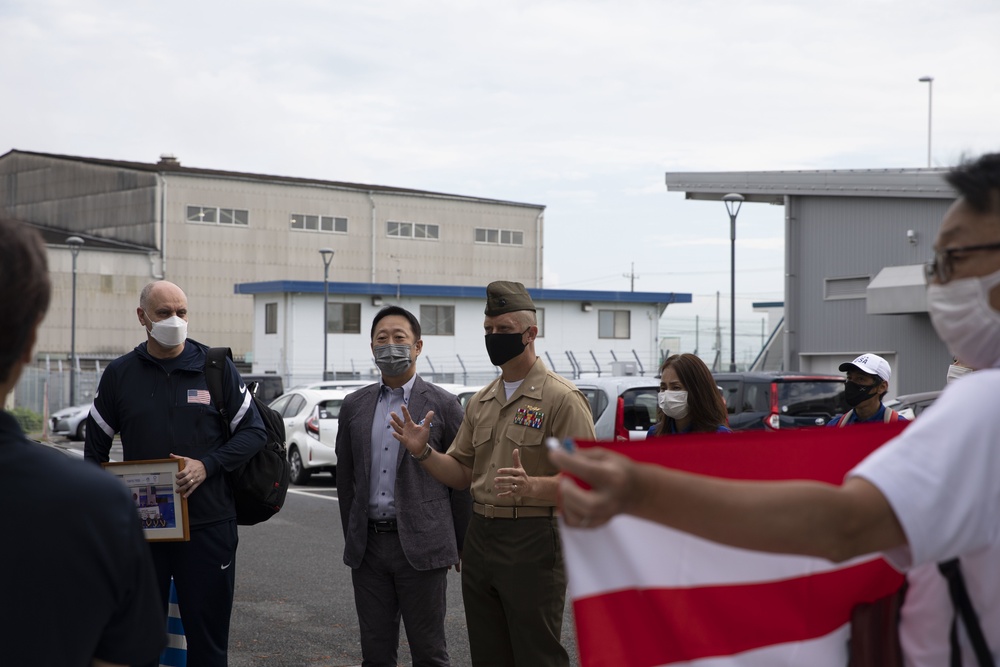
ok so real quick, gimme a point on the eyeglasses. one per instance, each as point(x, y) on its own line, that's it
point(943, 264)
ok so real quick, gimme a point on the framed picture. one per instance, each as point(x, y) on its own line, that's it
point(162, 509)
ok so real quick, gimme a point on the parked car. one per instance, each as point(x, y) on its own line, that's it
point(71, 422)
point(464, 392)
point(624, 407)
point(310, 429)
point(911, 405)
point(781, 400)
point(347, 385)
point(269, 386)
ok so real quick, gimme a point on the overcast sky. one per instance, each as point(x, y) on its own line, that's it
point(577, 105)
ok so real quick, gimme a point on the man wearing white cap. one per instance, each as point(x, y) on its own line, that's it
point(867, 382)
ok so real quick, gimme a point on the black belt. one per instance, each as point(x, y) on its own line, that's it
point(383, 526)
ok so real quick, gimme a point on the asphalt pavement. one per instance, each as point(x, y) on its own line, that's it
point(294, 602)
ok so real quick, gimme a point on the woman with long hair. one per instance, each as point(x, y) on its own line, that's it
point(689, 400)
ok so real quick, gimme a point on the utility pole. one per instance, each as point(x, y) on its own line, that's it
point(632, 277)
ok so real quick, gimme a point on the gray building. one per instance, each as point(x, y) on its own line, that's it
point(222, 235)
point(208, 229)
point(855, 245)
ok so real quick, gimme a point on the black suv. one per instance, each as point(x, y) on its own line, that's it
point(781, 400)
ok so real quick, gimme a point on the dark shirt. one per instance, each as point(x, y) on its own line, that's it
point(163, 407)
point(76, 577)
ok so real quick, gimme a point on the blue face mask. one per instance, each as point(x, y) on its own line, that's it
point(393, 359)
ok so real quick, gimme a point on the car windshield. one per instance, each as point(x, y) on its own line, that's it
point(811, 398)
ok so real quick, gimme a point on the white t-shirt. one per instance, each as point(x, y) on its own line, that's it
point(942, 478)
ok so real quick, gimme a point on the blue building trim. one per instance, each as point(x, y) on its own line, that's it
point(453, 291)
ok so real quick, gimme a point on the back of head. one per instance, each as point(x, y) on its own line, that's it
point(978, 182)
point(25, 289)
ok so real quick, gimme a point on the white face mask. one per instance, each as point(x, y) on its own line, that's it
point(961, 314)
point(170, 332)
point(673, 403)
point(955, 372)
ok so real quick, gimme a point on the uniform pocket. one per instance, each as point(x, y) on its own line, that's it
point(481, 437)
point(529, 442)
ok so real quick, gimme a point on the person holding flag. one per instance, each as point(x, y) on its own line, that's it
point(928, 495)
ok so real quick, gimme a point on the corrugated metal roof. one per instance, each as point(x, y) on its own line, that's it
point(454, 291)
point(55, 236)
point(170, 165)
point(773, 186)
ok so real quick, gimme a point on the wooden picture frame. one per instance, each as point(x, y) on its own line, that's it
point(153, 483)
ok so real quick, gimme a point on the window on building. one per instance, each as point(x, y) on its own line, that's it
point(412, 230)
point(437, 320)
point(343, 318)
point(318, 223)
point(613, 324)
point(855, 287)
point(499, 236)
point(270, 318)
point(218, 216)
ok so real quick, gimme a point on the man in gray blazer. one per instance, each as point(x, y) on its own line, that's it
point(403, 529)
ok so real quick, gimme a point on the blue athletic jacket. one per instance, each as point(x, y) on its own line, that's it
point(159, 413)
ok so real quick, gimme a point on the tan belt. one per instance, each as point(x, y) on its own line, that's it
point(508, 512)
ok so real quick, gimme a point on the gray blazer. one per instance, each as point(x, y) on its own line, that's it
point(431, 518)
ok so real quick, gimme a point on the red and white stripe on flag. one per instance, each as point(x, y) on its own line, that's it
point(645, 595)
point(199, 396)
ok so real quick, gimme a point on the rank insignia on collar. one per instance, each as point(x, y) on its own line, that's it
point(530, 415)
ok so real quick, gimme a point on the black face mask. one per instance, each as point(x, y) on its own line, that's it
point(503, 347)
point(856, 394)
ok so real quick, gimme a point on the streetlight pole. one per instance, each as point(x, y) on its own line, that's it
point(327, 254)
point(929, 80)
point(74, 243)
point(733, 203)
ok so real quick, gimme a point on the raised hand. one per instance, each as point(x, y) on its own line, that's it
point(514, 482)
point(612, 483)
point(413, 435)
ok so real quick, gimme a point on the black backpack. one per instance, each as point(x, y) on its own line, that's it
point(259, 485)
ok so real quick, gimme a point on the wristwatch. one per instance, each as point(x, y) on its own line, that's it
point(424, 456)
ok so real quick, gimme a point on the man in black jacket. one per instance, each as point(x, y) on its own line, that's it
point(157, 398)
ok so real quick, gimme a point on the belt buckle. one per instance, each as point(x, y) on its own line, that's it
point(489, 511)
point(514, 512)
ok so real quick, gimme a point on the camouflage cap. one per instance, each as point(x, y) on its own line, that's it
point(504, 296)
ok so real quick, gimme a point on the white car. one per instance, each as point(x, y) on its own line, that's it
point(464, 392)
point(310, 417)
point(623, 407)
point(71, 422)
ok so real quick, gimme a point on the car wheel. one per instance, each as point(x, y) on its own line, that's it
point(81, 431)
point(299, 473)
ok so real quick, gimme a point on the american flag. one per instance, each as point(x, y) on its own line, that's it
point(199, 396)
point(646, 595)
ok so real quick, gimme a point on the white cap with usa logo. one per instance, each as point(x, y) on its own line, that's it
point(871, 364)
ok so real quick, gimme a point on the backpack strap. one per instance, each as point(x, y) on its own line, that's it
point(845, 417)
point(952, 572)
point(890, 416)
point(215, 362)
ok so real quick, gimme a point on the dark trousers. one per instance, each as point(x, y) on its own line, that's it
point(514, 588)
point(204, 573)
point(387, 587)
